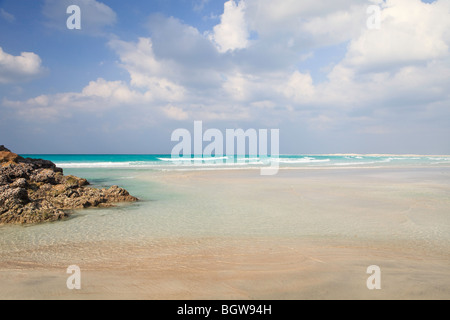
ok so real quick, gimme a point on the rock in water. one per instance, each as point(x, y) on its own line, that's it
point(33, 191)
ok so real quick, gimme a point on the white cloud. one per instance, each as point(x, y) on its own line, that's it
point(398, 75)
point(6, 15)
point(200, 5)
point(95, 15)
point(146, 72)
point(176, 113)
point(299, 88)
point(97, 96)
point(38, 108)
point(336, 27)
point(293, 19)
point(238, 86)
point(232, 32)
point(113, 92)
point(138, 58)
point(21, 68)
point(411, 32)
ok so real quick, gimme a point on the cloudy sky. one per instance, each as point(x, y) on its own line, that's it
point(323, 72)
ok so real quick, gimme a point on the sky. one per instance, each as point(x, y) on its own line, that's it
point(330, 75)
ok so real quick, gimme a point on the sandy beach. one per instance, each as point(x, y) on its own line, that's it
point(303, 234)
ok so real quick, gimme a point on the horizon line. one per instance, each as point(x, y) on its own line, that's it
point(299, 154)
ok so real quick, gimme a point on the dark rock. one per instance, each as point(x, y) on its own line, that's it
point(74, 182)
point(33, 191)
point(4, 180)
point(42, 164)
point(116, 194)
point(11, 197)
point(19, 183)
point(7, 156)
point(15, 171)
point(44, 175)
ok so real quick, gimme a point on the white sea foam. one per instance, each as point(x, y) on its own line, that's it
point(231, 162)
point(69, 165)
point(404, 158)
point(226, 164)
point(362, 163)
point(299, 161)
point(192, 159)
point(248, 159)
point(355, 163)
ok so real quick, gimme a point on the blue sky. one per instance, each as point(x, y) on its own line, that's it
point(138, 70)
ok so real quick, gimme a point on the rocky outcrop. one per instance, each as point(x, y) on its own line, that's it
point(34, 191)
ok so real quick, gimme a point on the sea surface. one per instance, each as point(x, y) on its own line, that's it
point(166, 162)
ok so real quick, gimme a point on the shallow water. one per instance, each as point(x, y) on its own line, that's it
point(392, 215)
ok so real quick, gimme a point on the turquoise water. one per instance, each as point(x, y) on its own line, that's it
point(295, 203)
point(165, 162)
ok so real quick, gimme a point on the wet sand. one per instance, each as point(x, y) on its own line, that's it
point(203, 269)
point(319, 231)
